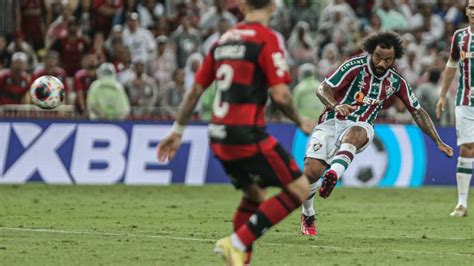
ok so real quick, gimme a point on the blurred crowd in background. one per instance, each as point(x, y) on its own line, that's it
point(156, 46)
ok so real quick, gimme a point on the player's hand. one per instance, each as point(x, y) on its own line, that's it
point(440, 106)
point(167, 147)
point(306, 126)
point(446, 149)
point(344, 109)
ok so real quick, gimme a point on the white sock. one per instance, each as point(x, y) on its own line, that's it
point(237, 243)
point(463, 177)
point(308, 204)
point(343, 158)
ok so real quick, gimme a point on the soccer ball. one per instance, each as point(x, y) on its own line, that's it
point(47, 92)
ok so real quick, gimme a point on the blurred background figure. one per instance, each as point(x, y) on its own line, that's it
point(107, 98)
point(82, 81)
point(138, 40)
point(173, 93)
point(142, 90)
point(303, 93)
point(14, 81)
point(162, 67)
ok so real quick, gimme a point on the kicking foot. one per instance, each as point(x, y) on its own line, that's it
point(231, 255)
point(329, 182)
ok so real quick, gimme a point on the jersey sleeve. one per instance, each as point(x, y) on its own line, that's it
point(273, 62)
point(343, 75)
point(206, 74)
point(455, 53)
point(405, 93)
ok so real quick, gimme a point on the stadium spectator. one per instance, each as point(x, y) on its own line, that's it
point(105, 11)
point(461, 58)
point(192, 66)
point(107, 98)
point(71, 48)
point(186, 40)
point(301, 10)
point(209, 20)
point(59, 28)
point(5, 55)
point(125, 67)
point(330, 60)
point(301, 45)
point(98, 48)
point(83, 79)
point(19, 45)
point(14, 81)
point(138, 40)
point(427, 92)
point(196, 8)
point(223, 25)
point(303, 93)
point(162, 67)
point(149, 12)
point(32, 23)
point(431, 23)
point(173, 93)
point(9, 16)
point(142, 90)
point(51, 68)
point(390, 17)
point(238, 119)
point(174, 22)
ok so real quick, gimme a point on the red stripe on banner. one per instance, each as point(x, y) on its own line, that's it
point(246, 114)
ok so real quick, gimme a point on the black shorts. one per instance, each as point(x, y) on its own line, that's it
point(272, 166)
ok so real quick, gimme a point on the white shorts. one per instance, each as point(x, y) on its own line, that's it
point(326, 138)
point(464, 124)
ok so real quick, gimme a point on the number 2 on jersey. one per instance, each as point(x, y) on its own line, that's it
point(224, 77)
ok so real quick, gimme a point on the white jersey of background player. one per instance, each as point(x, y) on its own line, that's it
point(353, 95)
point(462, 55)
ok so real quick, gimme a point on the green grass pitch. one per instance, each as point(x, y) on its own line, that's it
point(178, 225)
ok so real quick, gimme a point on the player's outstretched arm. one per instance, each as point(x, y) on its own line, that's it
point(167, 147)
point(424, 121)
point(282, 98)
point(326, 94)
point(448, 77)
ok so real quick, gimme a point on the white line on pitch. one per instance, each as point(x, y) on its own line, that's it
point(208, 240)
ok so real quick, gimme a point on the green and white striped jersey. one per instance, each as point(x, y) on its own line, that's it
point(462, 52)
point(355, 84)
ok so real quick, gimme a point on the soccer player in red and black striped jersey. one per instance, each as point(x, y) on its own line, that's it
point(462, 57)
point(248, 64)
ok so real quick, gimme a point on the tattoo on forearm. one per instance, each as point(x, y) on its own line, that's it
point(424, 121)
point(325, 94)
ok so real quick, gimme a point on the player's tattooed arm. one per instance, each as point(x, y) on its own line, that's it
point(424, 121)
point(187, 106)
point(326, 95)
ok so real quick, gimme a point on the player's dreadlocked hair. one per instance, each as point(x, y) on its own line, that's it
point(386, 40)
point(257, 4)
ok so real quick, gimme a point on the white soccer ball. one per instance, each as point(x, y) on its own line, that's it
point(47, 92)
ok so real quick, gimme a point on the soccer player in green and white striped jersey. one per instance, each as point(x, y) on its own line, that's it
point(353, 96)
point(462, 55)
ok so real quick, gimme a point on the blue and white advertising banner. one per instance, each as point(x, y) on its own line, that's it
point(77, 152)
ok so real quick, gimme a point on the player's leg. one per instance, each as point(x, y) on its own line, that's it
point(313, 169)
point(463, 177)
point(353, 139)
point(276, 169)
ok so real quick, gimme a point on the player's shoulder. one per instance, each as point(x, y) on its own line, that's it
point(460, 31)
point(396, 77)
point(355, 62)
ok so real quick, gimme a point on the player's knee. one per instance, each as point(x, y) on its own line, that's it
point(299, 188)
point(355, 135)
point(254, 193)
point(313, 171)
point(466, 150)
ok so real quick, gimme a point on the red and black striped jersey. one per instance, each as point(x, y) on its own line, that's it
point(246, 61)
